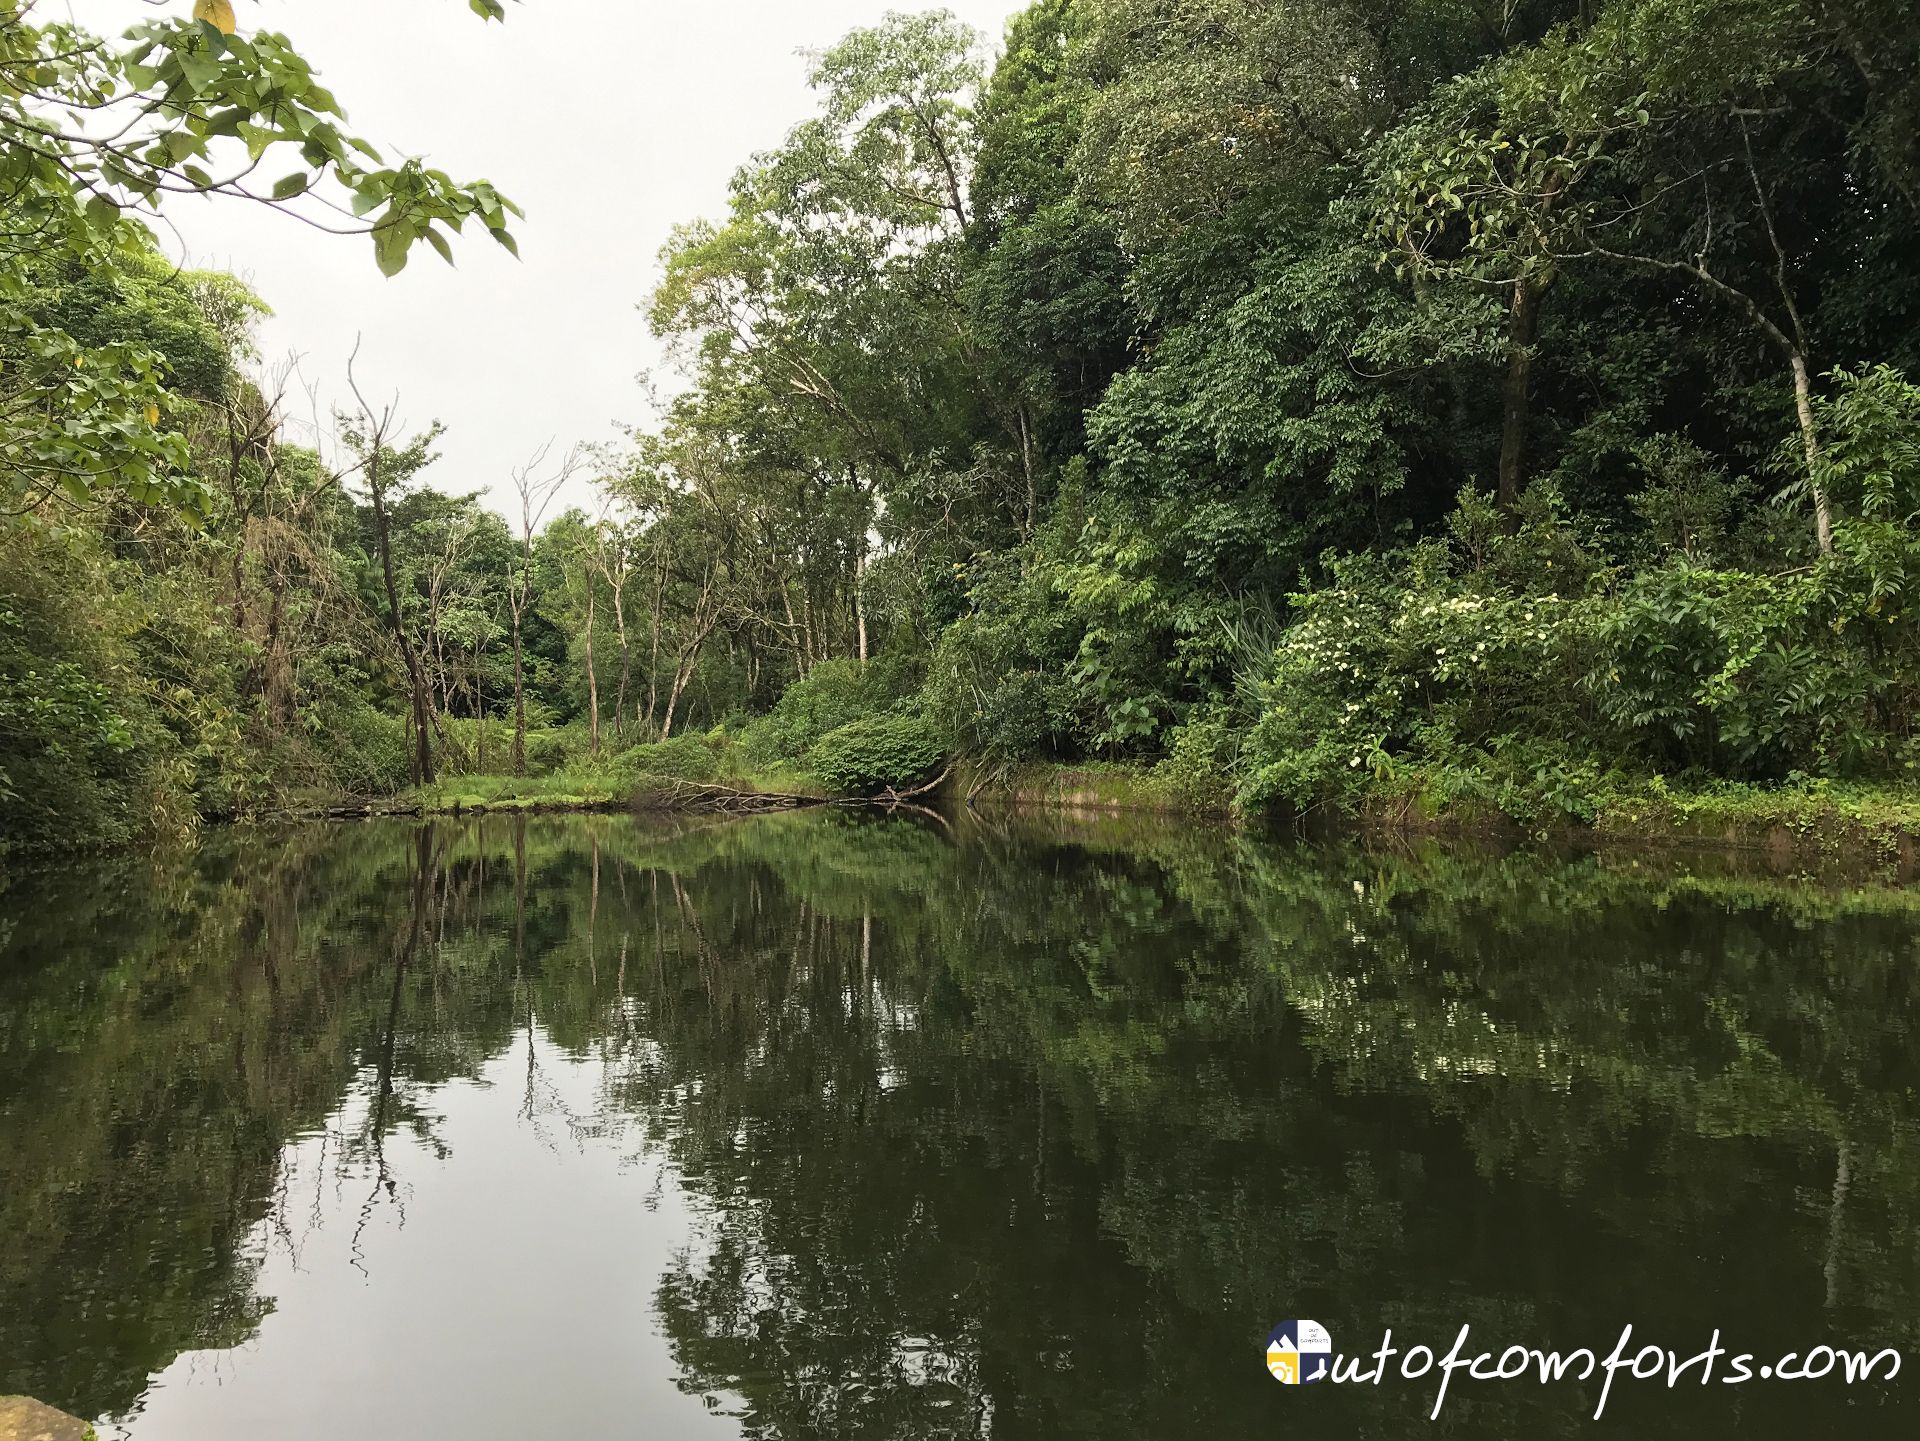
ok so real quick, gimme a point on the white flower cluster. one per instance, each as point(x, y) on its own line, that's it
point(1349, 642)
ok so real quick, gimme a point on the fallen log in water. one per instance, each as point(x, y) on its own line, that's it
point(345, 811)
point(679, 795)
point(891, 797)
point(682, 795)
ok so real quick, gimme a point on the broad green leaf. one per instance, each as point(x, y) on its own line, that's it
point(257, 139)
point(199, 70)
point(390, 249)
point(226, 122)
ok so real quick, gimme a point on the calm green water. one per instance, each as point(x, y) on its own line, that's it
point(820, 1126)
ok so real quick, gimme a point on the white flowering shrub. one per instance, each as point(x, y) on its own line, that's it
point(1459, 668)
point(1401, 665)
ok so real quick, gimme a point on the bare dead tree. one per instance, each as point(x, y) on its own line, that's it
point(707, 609)
point(536, 483)
point(376, 429)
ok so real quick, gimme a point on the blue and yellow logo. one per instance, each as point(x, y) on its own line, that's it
point(1300, 1353)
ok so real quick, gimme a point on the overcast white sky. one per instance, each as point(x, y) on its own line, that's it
point(609, 121)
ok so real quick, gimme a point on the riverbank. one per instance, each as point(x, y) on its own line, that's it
point(590, 791)
point(1820, 827)
point(1824, 827)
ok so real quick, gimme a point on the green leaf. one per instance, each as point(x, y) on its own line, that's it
point(323, 144)
point(439, 243)
point(390, 249)
point(257, 140)
point(507, 242)
point(288, 186)
point(200, 70)
point(226, 122)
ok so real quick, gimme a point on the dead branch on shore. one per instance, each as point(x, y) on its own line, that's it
point(891, 797)
point(681, 795)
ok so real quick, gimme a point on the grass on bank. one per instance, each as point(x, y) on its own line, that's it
point(563, 777)
point(1877, 821)
point(1809, 824)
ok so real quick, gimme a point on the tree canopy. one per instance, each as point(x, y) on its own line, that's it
point(1500, 405)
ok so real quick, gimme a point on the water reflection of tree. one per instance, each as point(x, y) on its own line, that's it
point(146, 1091)
point(1601, 1067)
point(170, 1027)
point(1014, 1133)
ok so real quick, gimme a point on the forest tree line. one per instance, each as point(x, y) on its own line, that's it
point(1493, 402)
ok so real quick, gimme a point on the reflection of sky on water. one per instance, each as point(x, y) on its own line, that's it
point(502, 1290)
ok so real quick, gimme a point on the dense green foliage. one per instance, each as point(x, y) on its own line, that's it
point(1337, 400)
point(181, 627)
point(1332, 402)
point(876, 753)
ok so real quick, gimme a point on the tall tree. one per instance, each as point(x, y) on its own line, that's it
point(535, 484)
point(387, 468)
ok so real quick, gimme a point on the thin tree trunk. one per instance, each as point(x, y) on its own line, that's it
point(626, 654)
point(653, 660)
point(422, 726)
point(1810, 441)
point(860, 605)
point(519, 700)
point(480, 717)
point(593, 682)
point(673, 699)
point(682, 676)
point(273, 661)
point(445, 671)
point(956, 202)
point(703, 622)
point(1793, 347)
point(1026, 464)
point(1523, 318)
point(793, 631)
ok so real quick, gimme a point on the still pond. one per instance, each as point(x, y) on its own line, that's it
point(836, 1126)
